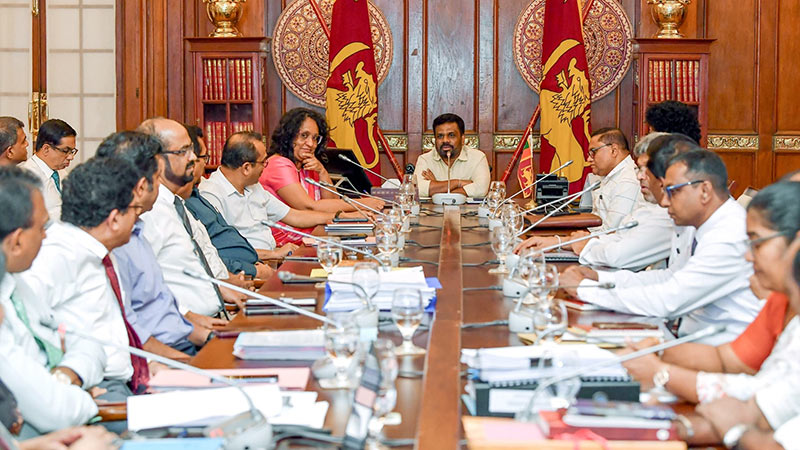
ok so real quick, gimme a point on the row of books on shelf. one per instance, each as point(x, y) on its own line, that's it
point(220, 73)
point(217, 132)
point(683, 75)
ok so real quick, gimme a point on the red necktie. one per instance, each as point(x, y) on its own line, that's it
point(141, 374)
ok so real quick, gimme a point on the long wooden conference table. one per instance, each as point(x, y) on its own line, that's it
point(430, 403)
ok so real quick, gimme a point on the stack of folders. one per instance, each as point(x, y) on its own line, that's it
point(504, 378)
point(347, 227)
point(344, 297)
point(259, 307)
point(612, 333)
point(291, 345)
point(612, 420)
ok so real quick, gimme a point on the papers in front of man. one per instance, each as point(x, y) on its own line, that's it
point(206, 406)
point(293, 345)
point(346, 297)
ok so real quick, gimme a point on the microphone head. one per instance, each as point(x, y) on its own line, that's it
point(269, 223)
point(285, 276)
point(194, 274)
point(311, 181)
point(48, 321)
point(567, 163)
point(607, 285)
point(341, 156)
point(631, 224)
point(594, 186)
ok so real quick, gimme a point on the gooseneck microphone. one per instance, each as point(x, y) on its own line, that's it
point(526, 415)
point(535, 182)
point(342, 188)
point(254, 294)
point(345, 198)
point(249, 429)
point(567, 199)
point(345, 158)
point(627, 226)
point(284, 276)
point(273, 224)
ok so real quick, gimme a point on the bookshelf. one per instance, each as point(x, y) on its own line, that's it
point(671, 69)
point(228, 93)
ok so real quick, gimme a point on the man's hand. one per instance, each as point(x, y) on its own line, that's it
point(428, 175)
point(73, 377)
point(573, 277)
point(264, 271)
point(536, 242)
point(155, 367)
point(241, 280)
point(286, 250)
point(199, 335)
point(577, 247)
point(205, 321)
point(233, 297)
point(95, 438)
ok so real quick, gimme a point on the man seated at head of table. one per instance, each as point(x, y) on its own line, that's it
point(234, 250)
point(708, 285)
point(46, 377)
point(150, 306)
point(172, 231)
point(638, 247)
point(769, 348)
point(769, 419)
point(468, 172)
point(75, 269)
point(233, 190)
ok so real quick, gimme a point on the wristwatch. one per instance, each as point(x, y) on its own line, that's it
point(661, 378)
point(62, 377)
point(734, 435)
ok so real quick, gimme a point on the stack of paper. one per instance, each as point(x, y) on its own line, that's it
point(295, 345)
point(537, 362)
point(345, 297)
point(349, 228)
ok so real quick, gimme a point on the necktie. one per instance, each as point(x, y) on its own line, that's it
point(198, 251)
point(694, 246)
point(56, 180)
point(54, 354)
point(141, 374)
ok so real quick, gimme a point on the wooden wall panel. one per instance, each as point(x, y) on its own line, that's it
point(732, 72)
point(785, 162)
point(392, 92)
point(449, 76)
point(787, 76)
point(515, 99)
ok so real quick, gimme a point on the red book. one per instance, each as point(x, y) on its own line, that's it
point(556, 425)
point(249, 80)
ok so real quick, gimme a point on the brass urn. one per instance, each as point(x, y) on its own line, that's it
point(669, 16)
point(224, 14)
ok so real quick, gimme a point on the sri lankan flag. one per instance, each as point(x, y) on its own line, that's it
point(565, 92)
point(352, 94)
point(525, 169)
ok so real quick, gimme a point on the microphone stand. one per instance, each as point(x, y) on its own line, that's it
point(344, 198)
point(448, 198)
point(355, 192)
point(526, 415)
point(345, 158)
point(536, 182)
point(559, 208)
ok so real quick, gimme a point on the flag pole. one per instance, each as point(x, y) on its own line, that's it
point(384, 142)
point(518, 152)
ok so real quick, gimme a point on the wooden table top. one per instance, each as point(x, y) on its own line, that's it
point(430, 406)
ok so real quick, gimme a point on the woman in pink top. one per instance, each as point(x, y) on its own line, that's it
point(301, 135)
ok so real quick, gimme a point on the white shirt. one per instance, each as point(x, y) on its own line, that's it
point(711, 287)
point(44, 403)
point(471, 164)
point(635, 248)
point(52, 197)
point(779, 402)
point(783, 361)
point(173, 247)
point(69, 273)
point(788, 435)
point(619, 194)
point(245, 211)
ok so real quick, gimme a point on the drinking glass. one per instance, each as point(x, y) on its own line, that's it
point(341, 345)
point(366, 275)
point(493, 200)
point(543, 281)
point(511, 217)
point(386, 398)
point(498, 186)
point(394, 218)
point(407, 312)
point(550, 320)
point(502, 244)
point(329, 254)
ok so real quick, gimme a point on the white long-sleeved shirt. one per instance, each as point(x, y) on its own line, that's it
point(635, 248)
point(788, 434)
point(779, 402)
point(707, 288)
point(68, 272)
point(619, 194)
point(245, 211)
point(471, 164)
point(173, 247)
point(52, 197)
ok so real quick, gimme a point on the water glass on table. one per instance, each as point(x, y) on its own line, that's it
point(407, 312)
point(329, 254)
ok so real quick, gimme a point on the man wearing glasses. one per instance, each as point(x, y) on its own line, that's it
point(54, 151)
point(709, 282)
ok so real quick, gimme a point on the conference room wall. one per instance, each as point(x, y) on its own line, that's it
point(468, 68)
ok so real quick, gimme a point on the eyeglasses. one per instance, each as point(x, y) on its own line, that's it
point(67, 150)
point(181, 151)
point(592, 151)
point(670, 190)
point(302, 137)
point(753, 244)
point(260, 162)
point(205, 158)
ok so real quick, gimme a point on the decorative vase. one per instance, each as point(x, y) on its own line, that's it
point(669, 16)
point(224, 14)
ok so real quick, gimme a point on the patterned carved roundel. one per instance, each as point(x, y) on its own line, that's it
point(607, 34)
point(300, 48)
